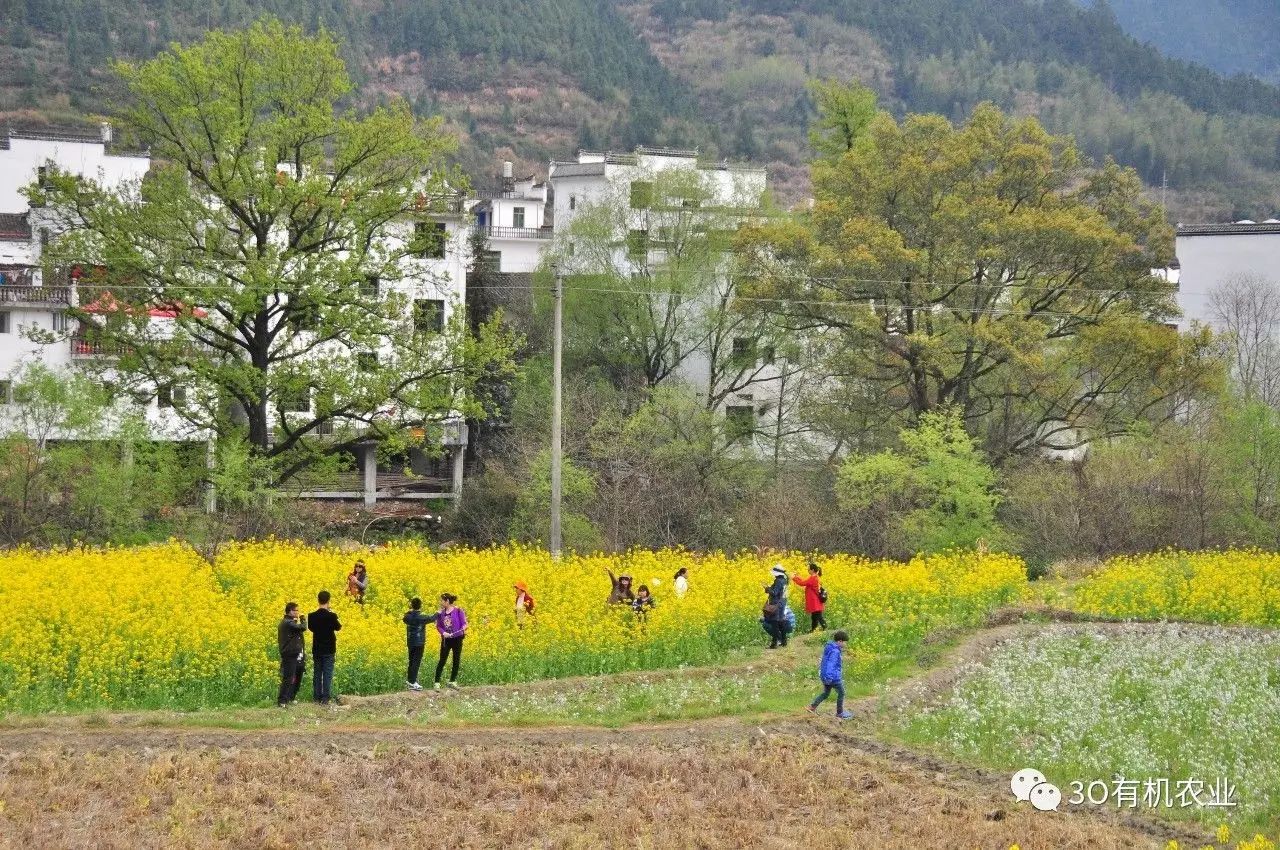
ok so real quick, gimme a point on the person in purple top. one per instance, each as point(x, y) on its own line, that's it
point(452, 625)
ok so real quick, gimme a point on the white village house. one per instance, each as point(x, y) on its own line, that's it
point(757, 393)
point(515, 223)
point(33, 303)
point(1210, 255)
point(35, 326)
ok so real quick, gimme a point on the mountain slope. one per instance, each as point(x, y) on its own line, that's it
point(1214, 141)
point(532, 79)
point(1229, 36)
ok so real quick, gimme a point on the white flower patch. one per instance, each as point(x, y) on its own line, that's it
point(1154, 701)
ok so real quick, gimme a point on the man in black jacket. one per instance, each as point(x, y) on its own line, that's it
point(291, 637)
point(415, 626)
point(324, 625)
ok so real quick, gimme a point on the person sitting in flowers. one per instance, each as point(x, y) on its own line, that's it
point(643, 602)
point(524, 603)
point(622, 591)
point(358, 582)
point(681, 582)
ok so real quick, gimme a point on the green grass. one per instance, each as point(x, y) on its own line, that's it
point(756, 683)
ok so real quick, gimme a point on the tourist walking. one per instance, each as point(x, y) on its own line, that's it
point(452, 625)
point(324, 627)
point(291, 640)
point(415, 626)
point(775, 608)
point(815, 597)
point(831, 672)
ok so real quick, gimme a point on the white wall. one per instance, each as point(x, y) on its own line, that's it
point(1209, 261)
point(19, 165)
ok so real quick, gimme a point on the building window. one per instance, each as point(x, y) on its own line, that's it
point(296, 401)
point(303, 315)
point(428, 316)
point(429, 238)
point(6, 392)
point(641, 194)
point(568, 249)
point(491, 261)
point(638, 244)
point(744, 352)
point(768, 354)
point(61, 322)
point(168, 395)
point(517, 217)
point(367, 361)
point(325, 428)
point(739, 421)
point(371, 287)
point(4, 323)
point(573, 202)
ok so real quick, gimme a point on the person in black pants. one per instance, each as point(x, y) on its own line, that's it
point(324, 626)
point(290, 637)
point(452, 625)
point(415, 624)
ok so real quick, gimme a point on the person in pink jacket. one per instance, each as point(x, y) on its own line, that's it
point(452, 626)
point(814, 597)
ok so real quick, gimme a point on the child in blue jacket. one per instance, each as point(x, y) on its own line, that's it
point(831, 671)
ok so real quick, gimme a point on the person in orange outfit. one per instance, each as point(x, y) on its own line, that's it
point(524, 603)
point(815, 597)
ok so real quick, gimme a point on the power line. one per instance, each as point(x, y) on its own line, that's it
point(1030, 287)
point(866, 303)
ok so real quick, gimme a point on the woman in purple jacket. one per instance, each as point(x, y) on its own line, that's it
point(452, 625)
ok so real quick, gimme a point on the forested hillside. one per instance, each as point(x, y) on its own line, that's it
point(531, 79)
point(1229, 36)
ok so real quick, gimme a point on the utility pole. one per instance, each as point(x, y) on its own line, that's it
point(556, 447)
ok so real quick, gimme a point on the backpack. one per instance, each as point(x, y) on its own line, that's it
point(822, 594)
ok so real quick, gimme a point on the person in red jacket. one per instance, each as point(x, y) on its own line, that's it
point(813, 596)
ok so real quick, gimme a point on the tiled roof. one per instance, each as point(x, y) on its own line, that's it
point(77, 135)
point(1229, 229)
point(14, 226)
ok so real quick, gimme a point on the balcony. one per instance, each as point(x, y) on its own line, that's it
point(57, 296)
point(87, 347)
point(514, 232)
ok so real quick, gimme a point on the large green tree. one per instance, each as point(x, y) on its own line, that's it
point(984, 267)
point(284, 235)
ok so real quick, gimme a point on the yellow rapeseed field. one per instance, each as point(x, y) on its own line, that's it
point(1232, 586)
point(159, 626)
